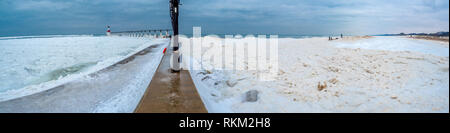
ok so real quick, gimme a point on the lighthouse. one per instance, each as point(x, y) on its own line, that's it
point(108, 32)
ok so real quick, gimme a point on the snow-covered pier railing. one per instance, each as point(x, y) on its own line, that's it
point(156, 33)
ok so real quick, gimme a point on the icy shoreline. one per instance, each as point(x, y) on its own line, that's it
point(61, 79)
point(115, 85)
point(361, 76)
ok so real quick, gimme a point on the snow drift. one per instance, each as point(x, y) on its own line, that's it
point(380, 74)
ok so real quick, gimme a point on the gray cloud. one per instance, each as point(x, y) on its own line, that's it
point(21, 17)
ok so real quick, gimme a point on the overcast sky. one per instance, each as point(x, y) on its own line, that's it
point(305, 17)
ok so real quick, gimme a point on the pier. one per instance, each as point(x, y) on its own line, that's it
point(171, 92)
point(171, 89)
point(154, 33)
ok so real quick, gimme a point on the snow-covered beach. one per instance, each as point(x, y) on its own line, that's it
point(376, 74)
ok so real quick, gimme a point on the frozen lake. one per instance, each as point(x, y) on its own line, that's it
point(32, 64)
point(393, 43)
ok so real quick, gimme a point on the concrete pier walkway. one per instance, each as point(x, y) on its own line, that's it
point(171, 92)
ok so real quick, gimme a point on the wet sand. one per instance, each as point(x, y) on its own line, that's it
point(171, 92)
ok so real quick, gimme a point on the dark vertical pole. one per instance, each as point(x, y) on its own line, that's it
point(174, 16)
point(175, 59)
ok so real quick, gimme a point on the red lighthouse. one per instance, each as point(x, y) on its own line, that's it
point(108, 32)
